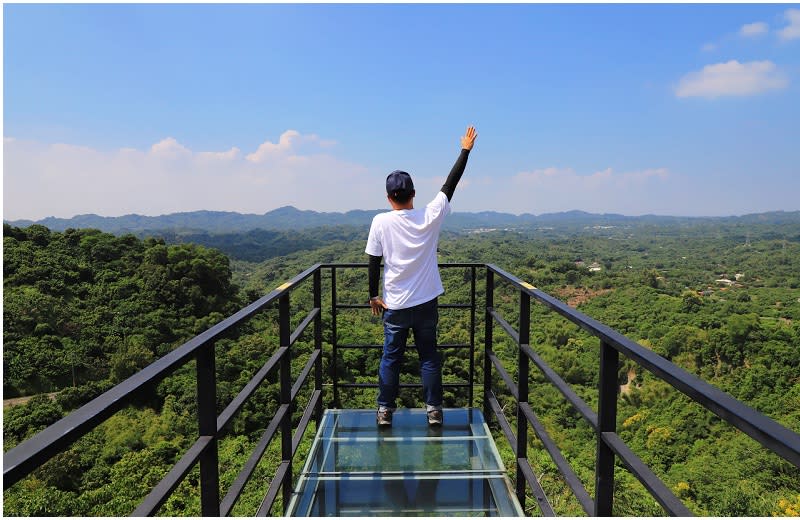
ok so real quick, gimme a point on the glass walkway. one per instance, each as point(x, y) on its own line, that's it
point(357, 469)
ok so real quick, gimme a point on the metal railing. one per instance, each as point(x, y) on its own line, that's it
point(770, 434)
point(24, 458)
point(31, 454)
point(336, 306)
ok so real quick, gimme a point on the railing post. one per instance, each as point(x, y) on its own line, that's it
point(607, 422)
point(207, 426)
point(472, 337)
point(286, 398)
point(522, 388)
point(487, 345)
point(318, 341)
point(334, 343)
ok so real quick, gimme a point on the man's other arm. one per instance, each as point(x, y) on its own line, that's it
point(374, 275)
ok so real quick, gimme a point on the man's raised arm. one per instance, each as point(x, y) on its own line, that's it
point(467, 142)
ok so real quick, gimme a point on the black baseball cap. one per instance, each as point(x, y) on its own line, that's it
point(399, 183)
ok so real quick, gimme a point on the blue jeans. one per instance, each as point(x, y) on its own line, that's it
point(423, 320)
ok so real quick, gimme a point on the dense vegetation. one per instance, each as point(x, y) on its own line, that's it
point(84, 306)
point(83, 309)
point(260, 244)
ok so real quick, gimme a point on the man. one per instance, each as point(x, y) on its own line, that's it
point(407, 239)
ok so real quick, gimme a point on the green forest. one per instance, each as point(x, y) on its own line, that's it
point(84, 309)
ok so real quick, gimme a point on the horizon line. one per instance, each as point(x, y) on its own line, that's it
point(289, 206)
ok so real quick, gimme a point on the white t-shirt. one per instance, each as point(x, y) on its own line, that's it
point(407, 239)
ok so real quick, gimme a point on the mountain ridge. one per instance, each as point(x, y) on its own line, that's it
point(291, 218)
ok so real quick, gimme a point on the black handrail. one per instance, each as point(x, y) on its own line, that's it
point(29, 455)
point(772, 435)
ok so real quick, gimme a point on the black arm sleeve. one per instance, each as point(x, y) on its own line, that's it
point(374, 274)
point(455, 174)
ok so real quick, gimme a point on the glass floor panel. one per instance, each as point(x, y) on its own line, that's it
point(410, 469)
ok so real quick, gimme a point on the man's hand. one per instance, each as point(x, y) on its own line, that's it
point(469, 138)
point(377, 306)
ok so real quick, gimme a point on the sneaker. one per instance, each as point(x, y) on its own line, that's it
point(435, 418)
point(384, 417)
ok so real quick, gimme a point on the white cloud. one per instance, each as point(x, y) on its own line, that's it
point(568, 177)
point(754, 29)
point(290, 142)
point(791, 31)
point(554, 189)
point(732, 79)
point(543, 174)
point(268, 149)
point(708, 47)
point(231, 154)
point(42, 179)
point(63, 180)
point(169, 147)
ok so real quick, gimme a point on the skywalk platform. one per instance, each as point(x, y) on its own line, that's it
point(355, 468)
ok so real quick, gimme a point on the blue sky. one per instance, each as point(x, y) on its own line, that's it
point(633, 109)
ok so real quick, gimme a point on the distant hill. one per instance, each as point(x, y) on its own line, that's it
point(291, 218)
point(284, 218)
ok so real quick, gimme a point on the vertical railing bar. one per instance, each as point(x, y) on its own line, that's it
point(334, 342)
point(606, 422)
point(522, 391)
point(207, 426)
point(318, 342)
point(487, 343)
point(286, 398)
point(473, 273)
